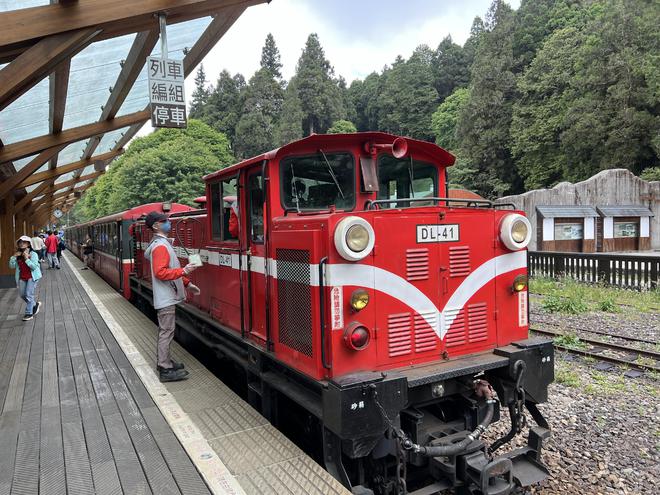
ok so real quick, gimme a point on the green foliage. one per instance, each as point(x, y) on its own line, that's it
point(342, 127)
point(450, 68)
point(318, 92)
point(270, 57)
point(571, 341)
point(200, 96)
point(608, 304)
point(484, 122)
point(572, 304)
point(289, 127)
point(650, 174)
point(165, 165)
point(445, 118)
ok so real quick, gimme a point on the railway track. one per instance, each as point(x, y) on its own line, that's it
point(598, 346)
point(598, 332)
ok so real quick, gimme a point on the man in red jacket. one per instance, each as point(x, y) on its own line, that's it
point(51, 250)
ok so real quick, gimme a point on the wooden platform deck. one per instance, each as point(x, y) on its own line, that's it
point(75, 417)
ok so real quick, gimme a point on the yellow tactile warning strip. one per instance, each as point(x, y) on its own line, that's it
point(235, 448)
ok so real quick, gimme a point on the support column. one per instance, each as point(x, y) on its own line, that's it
point(7, 241)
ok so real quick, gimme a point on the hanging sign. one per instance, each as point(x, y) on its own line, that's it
point(166, 93)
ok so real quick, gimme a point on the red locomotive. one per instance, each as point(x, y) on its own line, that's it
point(356, 290)
point(112, 243)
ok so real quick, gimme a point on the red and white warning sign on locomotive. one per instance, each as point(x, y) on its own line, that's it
point(438, 233)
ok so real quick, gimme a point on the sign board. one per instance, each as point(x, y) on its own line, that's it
point(166, 93)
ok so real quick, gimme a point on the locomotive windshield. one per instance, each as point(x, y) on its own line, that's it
point(406, 178)
point(318, 181)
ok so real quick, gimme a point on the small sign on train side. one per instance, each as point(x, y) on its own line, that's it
point(166, 92)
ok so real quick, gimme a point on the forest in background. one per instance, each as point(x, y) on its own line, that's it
point(557, 90)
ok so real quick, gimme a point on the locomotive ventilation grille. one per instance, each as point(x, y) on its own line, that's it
point(417, 264)
point(406, 333)
point(294, 299)
point(459, 261)
point(468, 330)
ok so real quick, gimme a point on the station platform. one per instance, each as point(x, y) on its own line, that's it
point(82, 410)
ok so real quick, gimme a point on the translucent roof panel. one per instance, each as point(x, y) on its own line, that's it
point(108, 141)
point(93, 72)
point(19, 164)
point(26, 117)
point(71, 153)
point(6, 5)
point(32, 187)
point(179, 37)
point(88, 170)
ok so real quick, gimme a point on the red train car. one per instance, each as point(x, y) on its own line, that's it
point(113, 249)
point(357, 290)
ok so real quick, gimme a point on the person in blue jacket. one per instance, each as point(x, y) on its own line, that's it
point(26, 263)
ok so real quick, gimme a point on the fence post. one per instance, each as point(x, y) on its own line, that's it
point(604, 270)
point(655, 275)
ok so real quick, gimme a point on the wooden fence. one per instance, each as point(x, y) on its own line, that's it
point(620, 270)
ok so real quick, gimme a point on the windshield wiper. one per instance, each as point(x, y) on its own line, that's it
point(412, 183)
point(332, 174)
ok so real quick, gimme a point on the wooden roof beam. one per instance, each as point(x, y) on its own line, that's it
point(27, 199)
point(71, 167)
point(40, 60)
point(59, 86)
point(29, 147)
point(8, 185)
point(76, 180)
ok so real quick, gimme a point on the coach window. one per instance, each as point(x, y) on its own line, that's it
point(318, 181)
point(255, 199)
point(406, 178)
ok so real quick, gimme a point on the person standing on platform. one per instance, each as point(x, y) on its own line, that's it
point(51, 250)
point(26, 263)
point(39, 246)
point(88, 251)
point(169, 282)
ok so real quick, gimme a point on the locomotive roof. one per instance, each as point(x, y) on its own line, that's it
point(414, 145)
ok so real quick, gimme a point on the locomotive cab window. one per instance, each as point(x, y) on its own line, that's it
point(224, 201)
point(255, 198)
point(317, 182)
point(406, 178)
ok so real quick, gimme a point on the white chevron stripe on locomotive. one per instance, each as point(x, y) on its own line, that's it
point(348, 274)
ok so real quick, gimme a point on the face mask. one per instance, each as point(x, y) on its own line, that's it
point(165, 227)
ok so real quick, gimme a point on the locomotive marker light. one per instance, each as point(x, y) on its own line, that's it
point(354, 238)
point(515, 231)
point(357, 336)
point(359, 299)
point(520, 283)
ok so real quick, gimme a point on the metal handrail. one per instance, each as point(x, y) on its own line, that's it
point(468, 202)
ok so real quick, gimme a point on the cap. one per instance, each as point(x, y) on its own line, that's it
point(24, 238)
point(153, 217)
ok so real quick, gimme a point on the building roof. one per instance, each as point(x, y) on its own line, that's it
point(463, 194)
point(566, 211)
point(625, 211)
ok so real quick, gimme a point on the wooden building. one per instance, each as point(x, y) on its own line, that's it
point(625, 228)
point(566, 228)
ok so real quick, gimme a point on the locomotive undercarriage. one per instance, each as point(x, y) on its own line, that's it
point(395, 432)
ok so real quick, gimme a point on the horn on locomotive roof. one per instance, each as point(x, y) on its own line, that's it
point(399, 147)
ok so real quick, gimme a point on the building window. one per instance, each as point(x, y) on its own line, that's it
point(625, 229)
point(569, 231)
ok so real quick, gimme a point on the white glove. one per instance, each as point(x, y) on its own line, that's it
point(194, 290)
point(189, 268)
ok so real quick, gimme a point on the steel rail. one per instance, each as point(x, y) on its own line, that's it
point(601, 332)
point(601, 357)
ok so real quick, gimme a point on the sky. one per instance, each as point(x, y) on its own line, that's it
point(358, 36)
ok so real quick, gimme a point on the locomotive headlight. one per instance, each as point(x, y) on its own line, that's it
point(357, 238)
point(354, 238)
point(359, 299)
point(519, 283)
point(515, 231)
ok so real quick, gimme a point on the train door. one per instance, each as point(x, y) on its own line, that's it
point(222, 280)
point(257, 258)
point(116, 246)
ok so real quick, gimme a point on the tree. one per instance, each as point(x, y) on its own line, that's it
point(270, 57)
point(318, 92)
point(289, 128)
point(450, 68)
point(483, 127)
point(166, 165)
point(443, 121)
point(408, 98)
point(200, 96)
point(342, 127)
point(651, 174)
point(224, 104)
point(472, 43)
point(365, 96)
point(255, 131)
